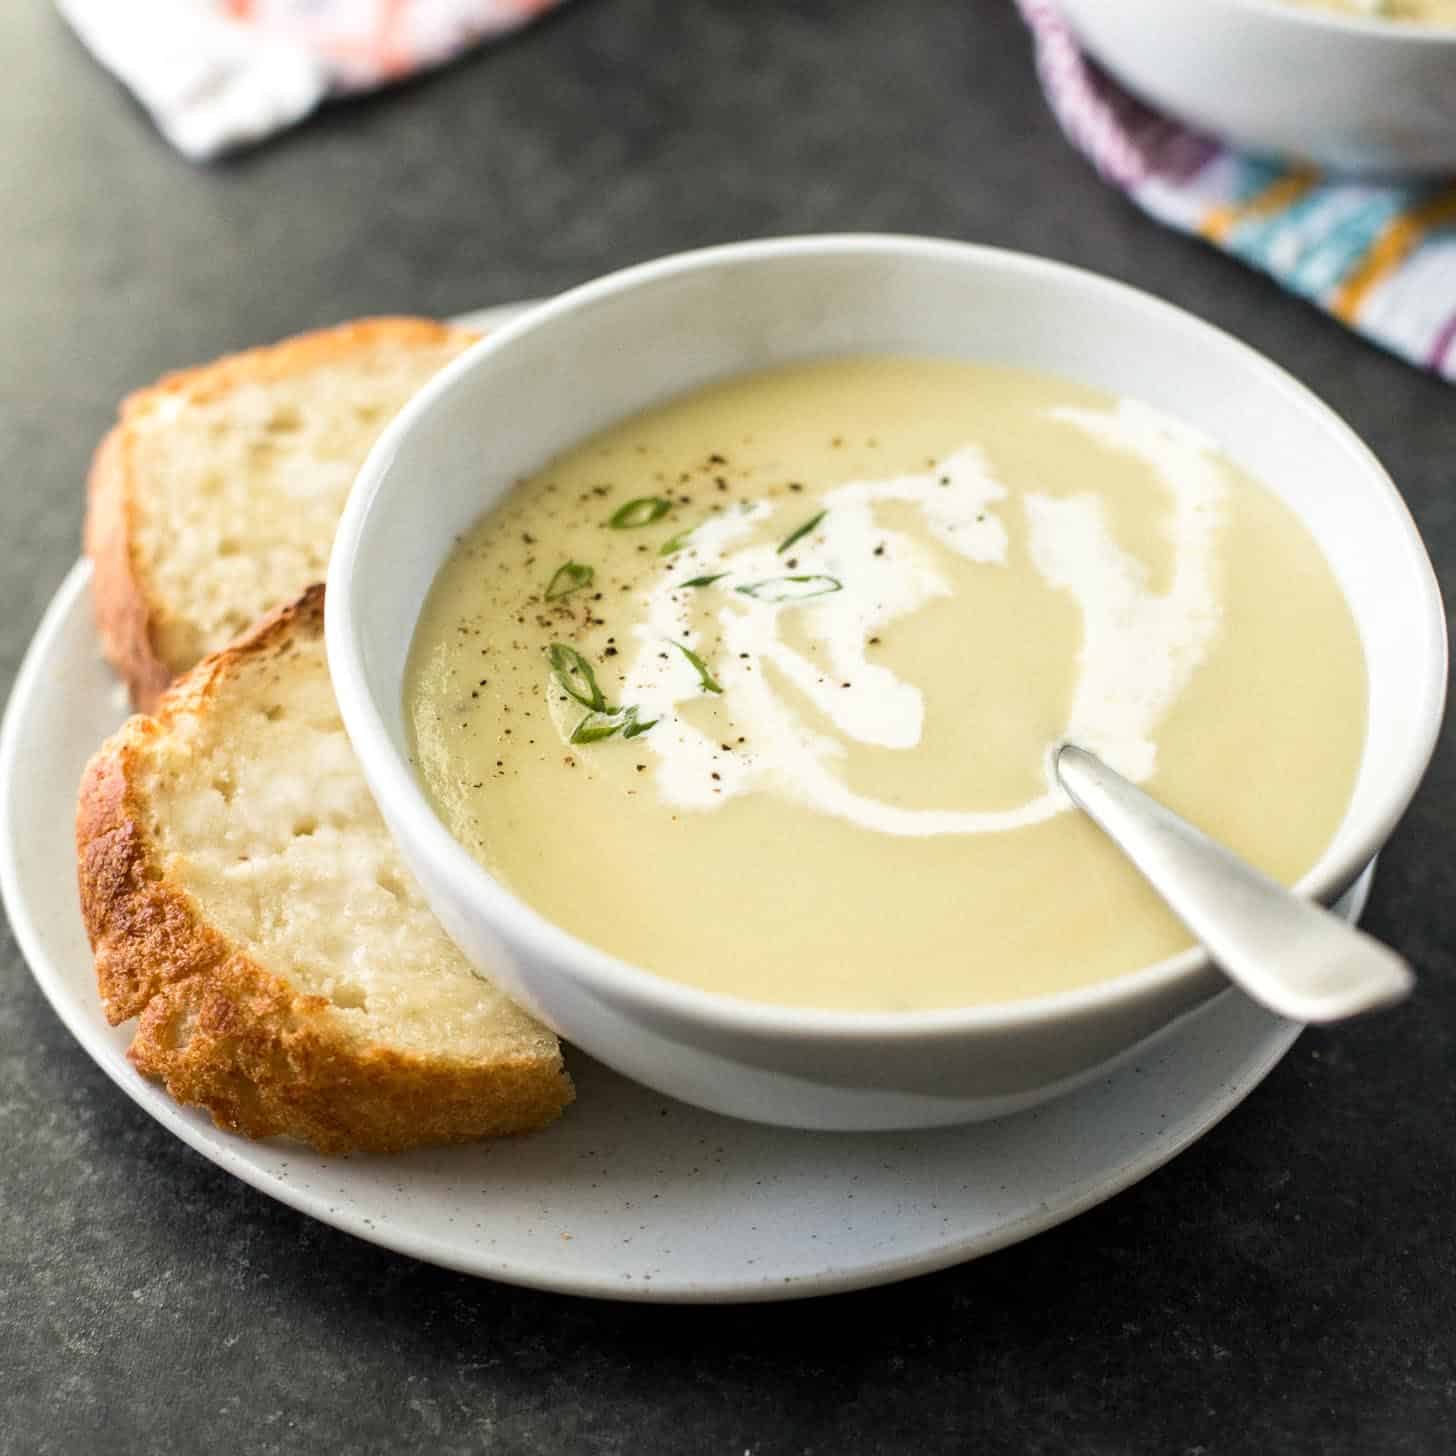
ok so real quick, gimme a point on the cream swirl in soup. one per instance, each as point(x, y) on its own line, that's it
point(854, 579)
point(757, 689)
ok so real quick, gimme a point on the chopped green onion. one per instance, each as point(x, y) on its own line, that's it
point(569, 578)
point(674, 544)
point(576, 677)
point(705, 678)
point(640, 512)
point(704, 580)
point(801, 532)
point(634, 729)
point(598, 726)
point(791, 588)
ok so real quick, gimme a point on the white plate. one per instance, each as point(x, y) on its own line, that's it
point(630, 1196)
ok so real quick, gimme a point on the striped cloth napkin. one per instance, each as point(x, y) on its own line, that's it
point(1379, 256)
point(218, 74)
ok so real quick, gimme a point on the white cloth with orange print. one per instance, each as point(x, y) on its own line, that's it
point(218, 74)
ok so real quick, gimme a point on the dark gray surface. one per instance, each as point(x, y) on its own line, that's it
point(1287, 1285)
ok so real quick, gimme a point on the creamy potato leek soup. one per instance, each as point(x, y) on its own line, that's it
point(757, 689)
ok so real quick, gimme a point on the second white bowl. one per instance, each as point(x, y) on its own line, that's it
point(1346, 92)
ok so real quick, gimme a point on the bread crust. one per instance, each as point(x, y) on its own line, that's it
point(224, 1033)
point(120, 600)
point(128, 609)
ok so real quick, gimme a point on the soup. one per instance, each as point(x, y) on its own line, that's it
point(1421, 12)
point(757, 689)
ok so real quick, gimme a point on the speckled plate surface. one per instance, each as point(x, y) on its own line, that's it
point(630, 1196)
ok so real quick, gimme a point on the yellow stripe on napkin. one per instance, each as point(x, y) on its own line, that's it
point(1400, 238)
point(1219, 222)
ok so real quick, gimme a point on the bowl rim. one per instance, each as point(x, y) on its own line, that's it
point(620, 981)
point(1399, 32)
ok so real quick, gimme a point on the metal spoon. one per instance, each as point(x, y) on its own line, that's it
point(1290, 955)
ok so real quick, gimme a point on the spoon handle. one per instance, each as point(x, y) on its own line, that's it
point(1289, 954)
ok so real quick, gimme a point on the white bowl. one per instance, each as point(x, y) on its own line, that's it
point(1345, 92)
point(620, 344)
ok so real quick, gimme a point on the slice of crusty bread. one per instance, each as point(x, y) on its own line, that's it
point(215, 497)
point(244, 898)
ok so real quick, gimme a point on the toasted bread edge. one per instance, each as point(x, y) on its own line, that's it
point(120, 601)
